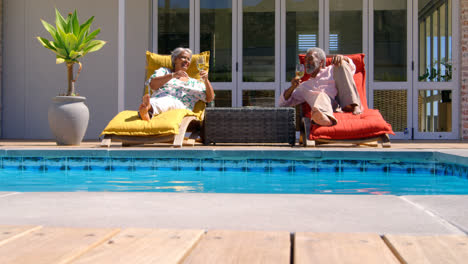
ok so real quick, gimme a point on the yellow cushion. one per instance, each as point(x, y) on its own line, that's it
point(155, 61)
point(127, 123)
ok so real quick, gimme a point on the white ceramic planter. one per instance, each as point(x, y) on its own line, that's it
point(68, 119)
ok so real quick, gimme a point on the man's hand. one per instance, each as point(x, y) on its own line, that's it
point(338, 59)
point(295, 82)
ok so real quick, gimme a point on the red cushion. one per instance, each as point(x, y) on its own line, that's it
point(368, 124)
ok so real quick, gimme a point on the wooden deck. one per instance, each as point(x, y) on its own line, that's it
point(36, 244)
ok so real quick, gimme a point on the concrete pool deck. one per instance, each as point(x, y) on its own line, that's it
point(386, 214)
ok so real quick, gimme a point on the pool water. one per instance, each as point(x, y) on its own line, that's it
point(232, 176)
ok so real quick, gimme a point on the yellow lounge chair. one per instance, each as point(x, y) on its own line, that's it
point(170, 126)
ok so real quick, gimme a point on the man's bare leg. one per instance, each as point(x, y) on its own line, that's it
point(145, 107)
point(355, 109)
point(320, 118)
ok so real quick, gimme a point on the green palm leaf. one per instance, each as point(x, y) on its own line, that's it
point(60, 21)
point(92, 35)
point(46, 44)
point(71, 41)
point(93, 46)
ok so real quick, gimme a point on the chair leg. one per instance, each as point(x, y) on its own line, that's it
point(106, 141)
point(179, 139)
point(305, 130)
point(385, 141)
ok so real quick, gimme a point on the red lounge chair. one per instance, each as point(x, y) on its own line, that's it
point(365, 128)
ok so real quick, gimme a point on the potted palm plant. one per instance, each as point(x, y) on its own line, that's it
point(68, 115)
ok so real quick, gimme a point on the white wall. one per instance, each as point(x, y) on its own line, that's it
point(32, 79)
point(136, 43)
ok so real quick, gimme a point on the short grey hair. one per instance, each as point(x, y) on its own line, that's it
point(176, 52)
point(320, 53)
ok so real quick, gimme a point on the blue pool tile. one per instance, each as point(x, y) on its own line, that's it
point(305, 165)
point(465, 172)
point(401, 167)
point(459, 171)
point(33, 164)
point(235, 165)
point(122, 164)
point(143, 163)
point(56, 163)
point(78, 163)
point(424, 167)
point(15, 163)
point(212, 165)
point(99, 164)
point(448, 169)
point(282, 165)
point(376, 166)
point(352, 165)
point(260, 165)
point(328, 165)
point(166, 164)
point(189, 164)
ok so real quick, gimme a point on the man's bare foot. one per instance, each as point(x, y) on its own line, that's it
point(145, 107)
point(355, 109)
point(320, 118)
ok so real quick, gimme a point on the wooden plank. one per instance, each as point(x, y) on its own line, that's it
point(53, 245)
point(10, 233)
point(221, 246)
point(429, 249)
point(144, 246)
point(341, 248)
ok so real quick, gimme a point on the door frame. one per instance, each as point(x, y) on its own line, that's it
point(453, 85)
point(241, 85)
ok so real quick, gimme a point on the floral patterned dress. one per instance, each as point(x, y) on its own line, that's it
point(176, 94)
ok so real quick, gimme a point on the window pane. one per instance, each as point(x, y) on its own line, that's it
point(345, 26)
point(258, 53)
point(393, 106)
point(258, 98)
point(435, 111)
point(435, 40)
point(390, 41)
point(302, 21)
point(173, 25)
point(223, 98)
point(216, 36)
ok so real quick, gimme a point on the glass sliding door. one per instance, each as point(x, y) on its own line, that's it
point(435, 80)
point(302, 31)
point(345, 30)
point(390, 76)
point(257, 52)
point(216, 18)
point(173, 22)
point(412, 75)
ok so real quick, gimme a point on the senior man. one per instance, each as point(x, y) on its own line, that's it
point(329, 88)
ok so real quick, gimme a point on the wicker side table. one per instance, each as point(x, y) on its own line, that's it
point(250, 125)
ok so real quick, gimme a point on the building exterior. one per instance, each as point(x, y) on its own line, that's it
point(416, 59)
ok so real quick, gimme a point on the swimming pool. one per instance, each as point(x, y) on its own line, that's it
point(298, 172)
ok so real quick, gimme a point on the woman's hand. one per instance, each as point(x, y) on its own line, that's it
point(180, 74)
point(204, 75)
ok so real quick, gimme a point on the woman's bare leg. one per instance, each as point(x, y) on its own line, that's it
point(145, 107)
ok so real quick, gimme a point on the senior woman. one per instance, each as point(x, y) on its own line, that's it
point(174, 89)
